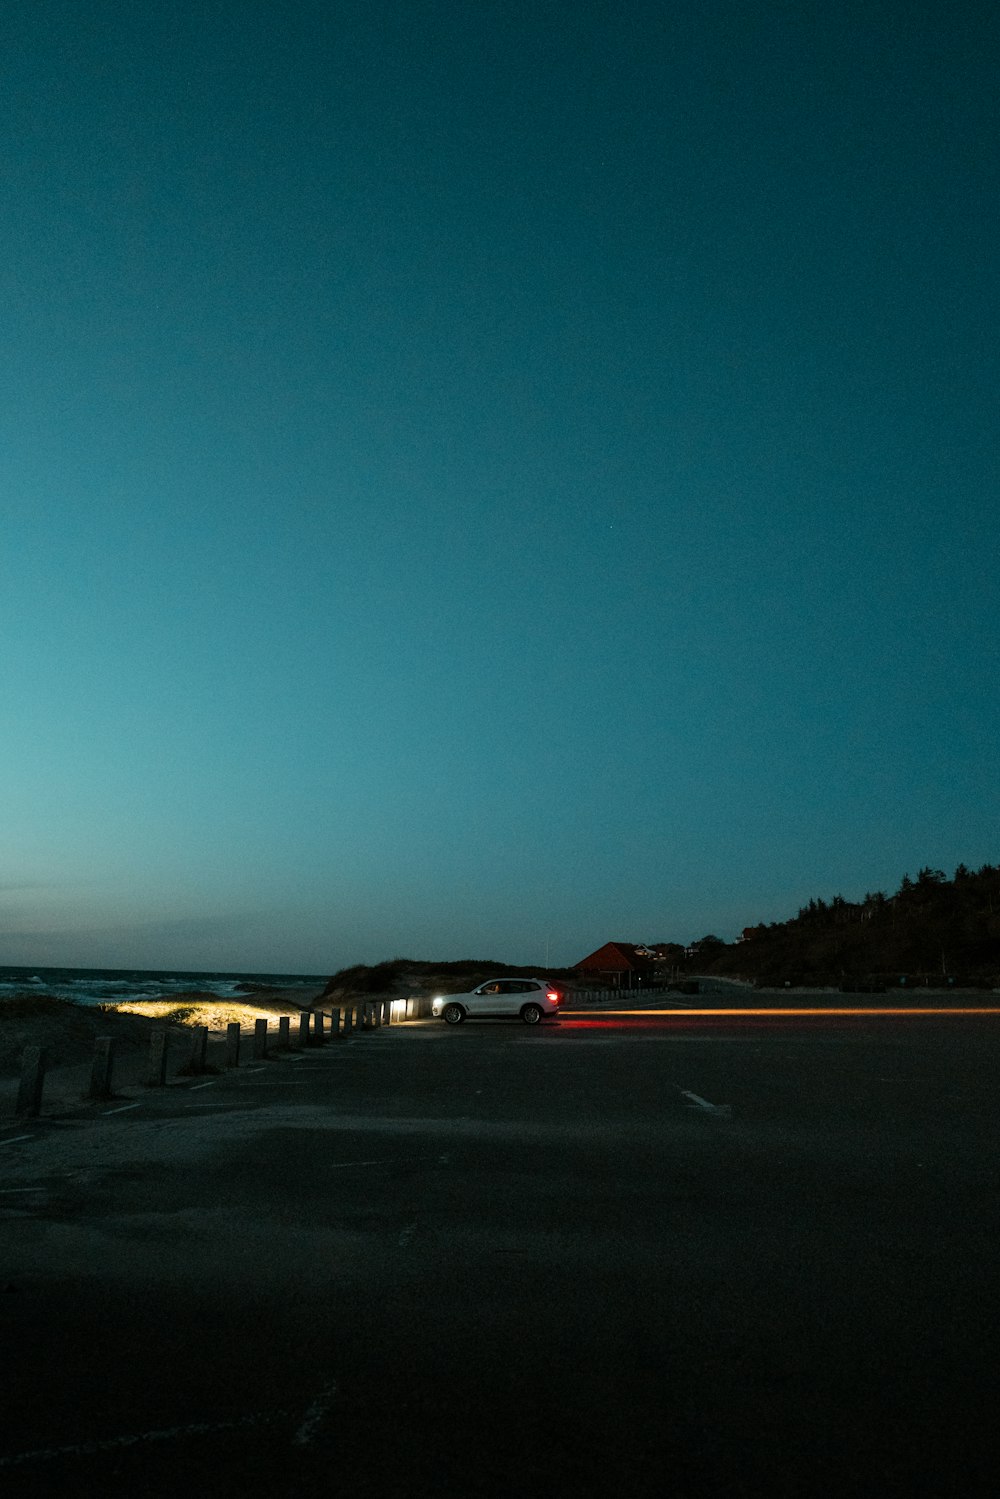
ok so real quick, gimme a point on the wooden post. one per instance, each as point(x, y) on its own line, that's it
point(337, 1021)
point(319, 1028)
point(388, 1012)
point(304, 1023)
point(100, 1072)
point(199, 1049)
point(259, 1039)
point(348, 1018)
point(284, 1026)
point(233, 1035)
point(29, 1093)
point(156, 1077)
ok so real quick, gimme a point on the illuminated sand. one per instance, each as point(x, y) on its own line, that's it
point(218, 1013)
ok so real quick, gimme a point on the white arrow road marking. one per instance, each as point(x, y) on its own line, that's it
point(724, 1109)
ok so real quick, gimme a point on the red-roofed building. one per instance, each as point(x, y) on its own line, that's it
point(621, 965)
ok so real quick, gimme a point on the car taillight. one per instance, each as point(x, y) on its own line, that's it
point(554, 995)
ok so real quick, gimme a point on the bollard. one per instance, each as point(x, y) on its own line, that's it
point(388, 1012)
point(304, 1023)
point(199, 1049)
point(319, 1028)
point(233, 1035)
point(336, 1020)
point(259, 1040)
point(284, 1026)
point(29, 1093)
point(156, 1077)
point(348, 1016)
point(363, 1016)
point(100, 1072)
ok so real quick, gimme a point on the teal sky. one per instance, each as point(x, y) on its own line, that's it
point(484, 480)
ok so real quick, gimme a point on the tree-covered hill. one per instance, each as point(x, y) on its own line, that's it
point(933, 931)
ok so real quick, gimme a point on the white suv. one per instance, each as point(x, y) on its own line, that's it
point(529, 998)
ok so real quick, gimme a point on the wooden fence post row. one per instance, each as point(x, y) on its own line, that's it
point(157, 1074)
point(100, 1072)
point(29, 1093)
point(344, 1020)
point(198, 1060)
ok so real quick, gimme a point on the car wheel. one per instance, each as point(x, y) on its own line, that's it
point(531, 1014)
point(454, 1014)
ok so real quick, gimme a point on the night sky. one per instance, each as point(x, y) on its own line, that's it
point(483, 480)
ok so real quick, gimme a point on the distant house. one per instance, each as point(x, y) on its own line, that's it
point(667, 952)
point(622, 965)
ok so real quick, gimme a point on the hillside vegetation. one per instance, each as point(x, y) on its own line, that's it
point(403, 977)
point(933, 932)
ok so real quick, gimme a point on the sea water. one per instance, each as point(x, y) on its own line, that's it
point(96, 986)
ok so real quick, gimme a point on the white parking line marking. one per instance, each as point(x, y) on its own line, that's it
point(122, 1108)
point(14, 1139)
point(343, 1165)
point(11, 1191)
point(85, 1449)
point(315, 1414)
point(195, 1086)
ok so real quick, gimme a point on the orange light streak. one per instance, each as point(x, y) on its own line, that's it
point(818, 1010)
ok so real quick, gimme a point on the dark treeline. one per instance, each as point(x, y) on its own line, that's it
point(933, 931)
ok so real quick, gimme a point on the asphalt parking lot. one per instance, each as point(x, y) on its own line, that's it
point(642, 1253)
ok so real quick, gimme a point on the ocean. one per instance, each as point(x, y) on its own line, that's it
point(95, 986)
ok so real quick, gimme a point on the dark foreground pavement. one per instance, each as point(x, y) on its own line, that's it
point(489, 1261)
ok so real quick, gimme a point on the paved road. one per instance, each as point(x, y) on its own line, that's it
point(619, 1254)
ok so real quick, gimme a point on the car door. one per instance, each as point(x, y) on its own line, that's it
point(489, 999)
point(511, 996)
